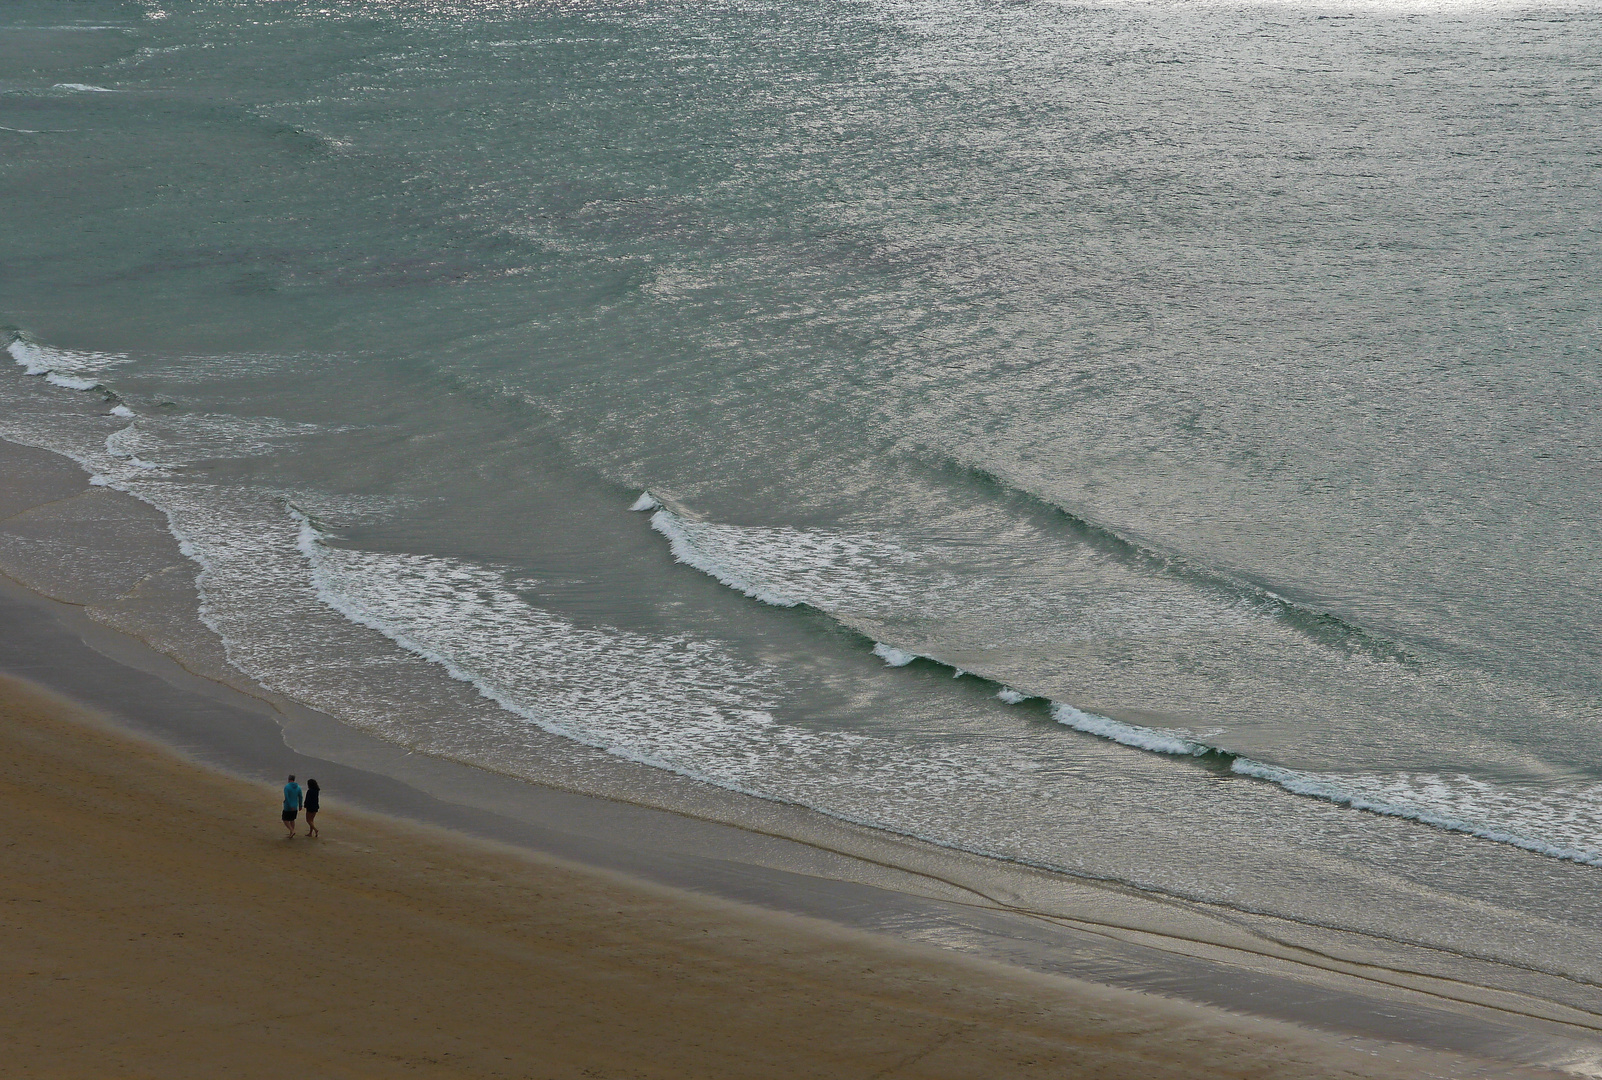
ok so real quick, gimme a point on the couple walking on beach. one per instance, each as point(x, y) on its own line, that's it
point(295, 800)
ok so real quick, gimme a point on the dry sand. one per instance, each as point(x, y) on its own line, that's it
point(158, 924)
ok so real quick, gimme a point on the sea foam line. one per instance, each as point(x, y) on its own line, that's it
point(310, 544)
point(1308, 785)
point(1317, 787)
point(1136, 736)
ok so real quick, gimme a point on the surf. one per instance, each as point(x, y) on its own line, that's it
point(743, 571)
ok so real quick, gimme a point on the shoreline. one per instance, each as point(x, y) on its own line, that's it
point(163, 925)
point(786, 859)
point(148, 696)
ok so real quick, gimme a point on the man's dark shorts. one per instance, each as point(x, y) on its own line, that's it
point(289, 815)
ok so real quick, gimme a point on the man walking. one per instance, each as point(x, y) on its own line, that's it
point(291, 805)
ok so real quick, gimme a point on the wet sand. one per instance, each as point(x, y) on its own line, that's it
point(160, 924)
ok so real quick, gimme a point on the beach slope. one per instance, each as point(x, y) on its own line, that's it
point(158, 923)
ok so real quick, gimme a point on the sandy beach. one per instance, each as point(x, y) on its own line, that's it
point(161, 925)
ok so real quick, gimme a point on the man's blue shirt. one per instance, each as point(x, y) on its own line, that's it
point(291, 796)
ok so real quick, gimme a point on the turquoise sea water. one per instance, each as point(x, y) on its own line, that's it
point(1153, 441)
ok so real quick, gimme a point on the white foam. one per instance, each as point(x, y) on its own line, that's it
point(124, 445)
point(599, 685)
point(682, 542)
point(893, 657)
point(646, 501)
point(63, 367)
point(71, 382)
point(675, 702)
point(85, 88)
point(1153, 739)
point(173, 441)
point(1011, 696)
point(835, 572)
point(865, 578)
point(1561, 822)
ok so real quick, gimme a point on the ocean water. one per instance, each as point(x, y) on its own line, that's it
point(1157, 442)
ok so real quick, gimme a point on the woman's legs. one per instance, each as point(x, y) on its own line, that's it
point(311, 823)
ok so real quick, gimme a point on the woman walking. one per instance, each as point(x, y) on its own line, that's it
point(310, 806)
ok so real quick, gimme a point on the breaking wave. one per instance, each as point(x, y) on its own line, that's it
point(66, 368)
point(1563, 824)
point(835, 572)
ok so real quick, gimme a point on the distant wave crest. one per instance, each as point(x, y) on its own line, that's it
point(1321, 626)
